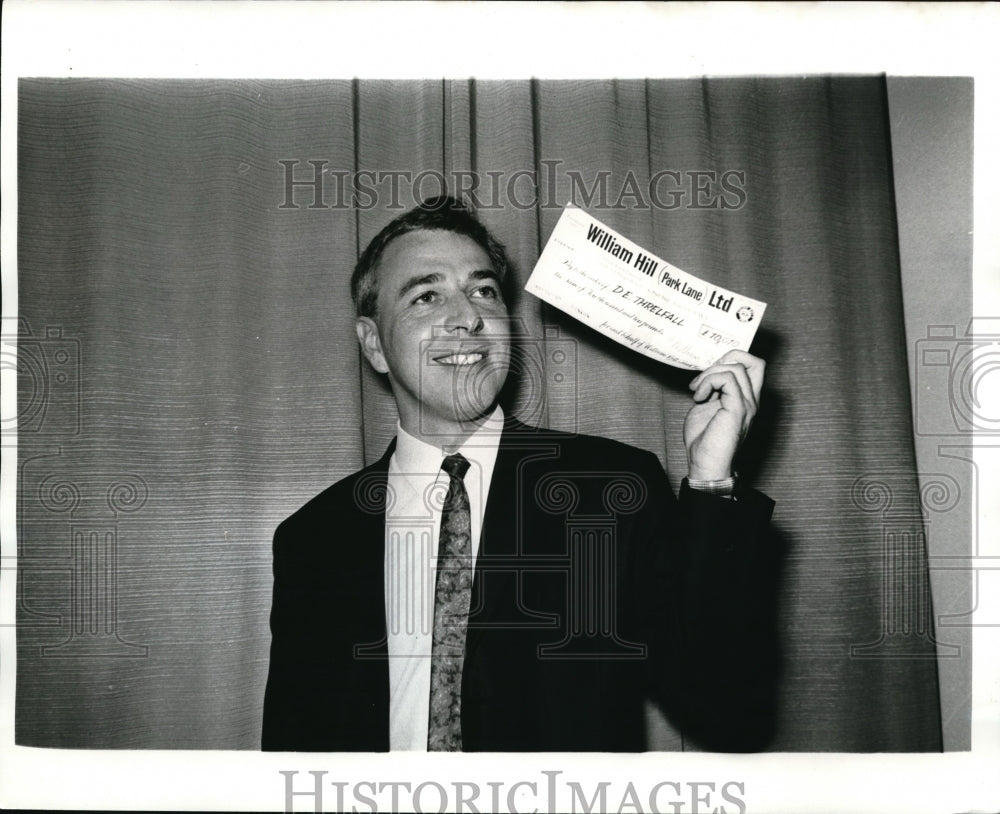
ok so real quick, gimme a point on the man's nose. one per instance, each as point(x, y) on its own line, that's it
point(464, 315)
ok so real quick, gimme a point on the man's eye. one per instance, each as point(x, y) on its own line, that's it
point(426, 297)
point(487, 291)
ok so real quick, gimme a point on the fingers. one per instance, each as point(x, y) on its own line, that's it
point(726, 379)
point(754, 365)
point(736, 379)
point(731, 384)
point(749, 364)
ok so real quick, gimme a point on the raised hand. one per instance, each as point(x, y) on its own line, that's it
point(726, 396)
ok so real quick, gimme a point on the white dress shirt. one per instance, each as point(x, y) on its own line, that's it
point(417, 488)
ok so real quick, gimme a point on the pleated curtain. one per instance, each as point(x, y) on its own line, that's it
point(212, 382)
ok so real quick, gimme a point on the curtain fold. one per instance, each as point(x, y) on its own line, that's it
point(185, 247)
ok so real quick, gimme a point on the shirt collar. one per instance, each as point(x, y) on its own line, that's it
point(414, 455)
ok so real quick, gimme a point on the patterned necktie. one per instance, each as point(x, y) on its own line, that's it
point(452, 594)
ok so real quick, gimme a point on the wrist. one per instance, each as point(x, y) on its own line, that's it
point(708, 473)
point(716, 486)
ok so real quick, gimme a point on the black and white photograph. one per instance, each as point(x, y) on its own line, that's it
point(298, 463)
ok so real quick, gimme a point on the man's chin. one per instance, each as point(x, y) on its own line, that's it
point(447, 422)
point(475, 408)
point(474, 391)
point(463, 412)
point(462, 399)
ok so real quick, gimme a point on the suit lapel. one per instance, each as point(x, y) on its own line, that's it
point(364, 711)
point(370, 495)
point(495, 588)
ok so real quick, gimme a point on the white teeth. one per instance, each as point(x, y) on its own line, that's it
point(461, 359)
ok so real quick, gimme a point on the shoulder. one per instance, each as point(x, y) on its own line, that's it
point(358, 495)
point(581, 451)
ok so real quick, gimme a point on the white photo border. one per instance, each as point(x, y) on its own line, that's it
point(487, 40)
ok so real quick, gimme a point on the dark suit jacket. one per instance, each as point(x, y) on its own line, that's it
point(594, 589)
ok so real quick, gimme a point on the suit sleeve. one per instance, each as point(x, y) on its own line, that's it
point(709, 571)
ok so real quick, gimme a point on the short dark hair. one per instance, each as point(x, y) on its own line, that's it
point(442, 213)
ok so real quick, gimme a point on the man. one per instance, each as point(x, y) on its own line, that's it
point(491, 586)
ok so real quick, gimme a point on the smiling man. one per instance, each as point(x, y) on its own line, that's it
point(487, 585)
point(439, 330)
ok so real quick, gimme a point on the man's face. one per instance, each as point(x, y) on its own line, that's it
point(442, 332)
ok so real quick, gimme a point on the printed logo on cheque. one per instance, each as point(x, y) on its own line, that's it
point(745, 314)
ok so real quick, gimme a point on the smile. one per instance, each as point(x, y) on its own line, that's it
point(460, 359)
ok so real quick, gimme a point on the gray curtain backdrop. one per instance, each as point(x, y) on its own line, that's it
point(188, 372)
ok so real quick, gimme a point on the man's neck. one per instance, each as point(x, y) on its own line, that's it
point(447, 436)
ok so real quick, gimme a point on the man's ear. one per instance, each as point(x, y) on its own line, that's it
point(371, 345)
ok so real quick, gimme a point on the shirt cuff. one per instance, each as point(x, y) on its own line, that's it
point(723, 488)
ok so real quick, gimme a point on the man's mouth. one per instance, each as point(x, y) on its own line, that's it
point(459, 359)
